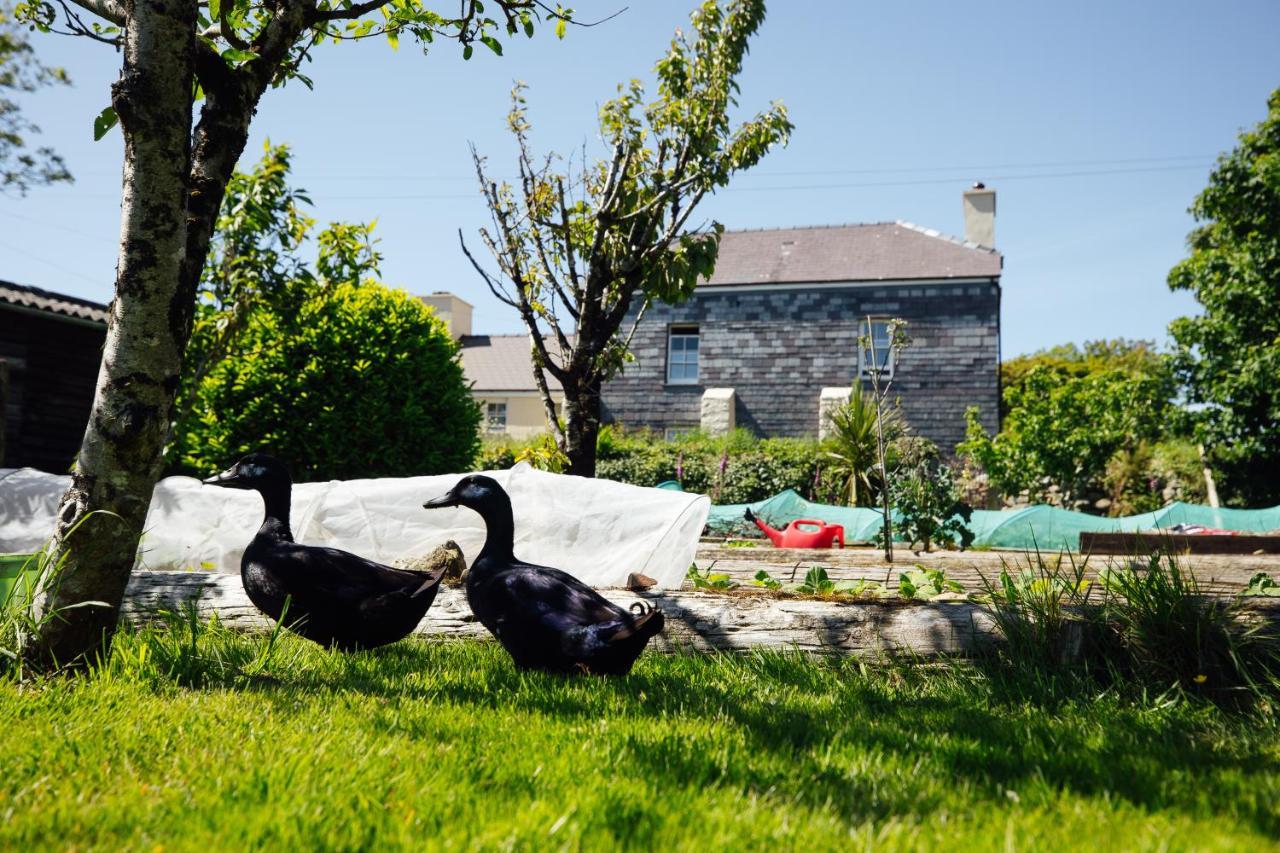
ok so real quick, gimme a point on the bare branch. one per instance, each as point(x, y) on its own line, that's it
point(497, 291)
point(357, 11)
point(108, 10)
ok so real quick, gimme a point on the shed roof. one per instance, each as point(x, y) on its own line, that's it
point(879, 251)
point(46, 301)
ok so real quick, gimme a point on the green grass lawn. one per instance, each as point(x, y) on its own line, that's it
point(444, 745)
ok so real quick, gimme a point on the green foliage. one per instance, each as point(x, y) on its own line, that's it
point(1147, 476)
point(1153, 627)
point(1068, 413)
point(1037, 610)
point(334, 373)
point(243, 34)
point(1228, 356)
point(925, 495)
point(853, 450)
point(738, 468)
point(818, 583)
point(709, 580)
point(923, 584)
point(1174, 636)
point(544, 454)
point(1261, 585)
point(766, 580)
point(22, 72)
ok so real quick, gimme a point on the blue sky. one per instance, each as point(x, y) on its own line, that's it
point(1096, 122)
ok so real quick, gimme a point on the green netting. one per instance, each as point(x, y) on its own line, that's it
point(1040, 526)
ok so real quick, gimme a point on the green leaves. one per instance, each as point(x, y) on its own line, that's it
point(103, 122)
point(1228, 355)
point(924, 584)
point(1068, 413)
point(338, 374)
point(1261, 585)
point(710, 580)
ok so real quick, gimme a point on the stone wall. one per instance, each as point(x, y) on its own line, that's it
point(779, 348)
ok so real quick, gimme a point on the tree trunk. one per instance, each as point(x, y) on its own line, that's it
point(582, 425)
point(102, 513)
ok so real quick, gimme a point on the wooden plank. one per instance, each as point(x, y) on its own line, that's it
point(1217, 574)
point(696, 620)
point(1181, 543)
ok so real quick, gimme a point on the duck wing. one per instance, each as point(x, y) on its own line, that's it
point(328, 576)
point(548, 617)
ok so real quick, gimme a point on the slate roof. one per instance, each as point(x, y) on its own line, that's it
point(49, 302)
point(879, 251)
point(500, 362)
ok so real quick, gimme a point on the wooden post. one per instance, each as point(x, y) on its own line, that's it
point(1211, 488)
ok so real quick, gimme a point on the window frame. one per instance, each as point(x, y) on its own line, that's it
point(490, 423)
point(684, 332)
point(864, 353)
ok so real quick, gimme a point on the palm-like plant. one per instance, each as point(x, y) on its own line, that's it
point(852, 443)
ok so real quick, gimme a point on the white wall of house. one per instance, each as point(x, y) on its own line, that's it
point(519, 414)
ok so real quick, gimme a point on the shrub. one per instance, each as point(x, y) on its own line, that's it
point(358, 381)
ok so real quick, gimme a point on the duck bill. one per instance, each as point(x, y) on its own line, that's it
point(227, 479)
point(440, 502)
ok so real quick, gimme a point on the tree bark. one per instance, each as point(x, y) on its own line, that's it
point(582, 425)
point(102, 513)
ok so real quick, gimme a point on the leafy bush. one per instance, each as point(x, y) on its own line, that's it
point(1148, 476)
point(852, 448)
point(1067, 413)
point(359, 381)
point(318, 363)
point(736, 468)
point(930, 511)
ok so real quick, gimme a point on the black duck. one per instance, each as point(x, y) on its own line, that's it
point(334, 597)
point(545, 618)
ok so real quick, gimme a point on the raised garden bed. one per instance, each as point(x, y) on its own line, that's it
point(1219, 574)
point(735, 621)
point(699, 620)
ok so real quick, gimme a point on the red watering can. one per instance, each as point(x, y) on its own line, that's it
point(818, 534)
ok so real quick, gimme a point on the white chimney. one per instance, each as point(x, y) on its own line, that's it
point(455, 312)
point(980, 215)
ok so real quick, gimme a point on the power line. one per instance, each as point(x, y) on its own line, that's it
point(49, 263)
point(955, 179)
point(54, 225)
point(805, 187)
point(304, 176)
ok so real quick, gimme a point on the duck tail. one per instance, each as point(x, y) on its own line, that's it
point(649, 620)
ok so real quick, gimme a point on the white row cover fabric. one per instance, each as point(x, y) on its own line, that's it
point(597, 530)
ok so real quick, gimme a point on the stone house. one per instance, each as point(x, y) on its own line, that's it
point(50, 352)
point(500, 370)
point(771, 340)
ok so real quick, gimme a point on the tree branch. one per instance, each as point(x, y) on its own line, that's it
point(356, 11)
point(108, 10)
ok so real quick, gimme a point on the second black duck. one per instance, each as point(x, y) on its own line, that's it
point(544, 617)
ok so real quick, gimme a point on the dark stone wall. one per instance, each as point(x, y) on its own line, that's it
point(779, 348)
point(53, 369)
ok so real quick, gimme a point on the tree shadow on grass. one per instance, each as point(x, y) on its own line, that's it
point(774, 702)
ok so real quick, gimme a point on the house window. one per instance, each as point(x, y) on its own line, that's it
point(495, 417)
point(682, 356)
point(875, 350)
